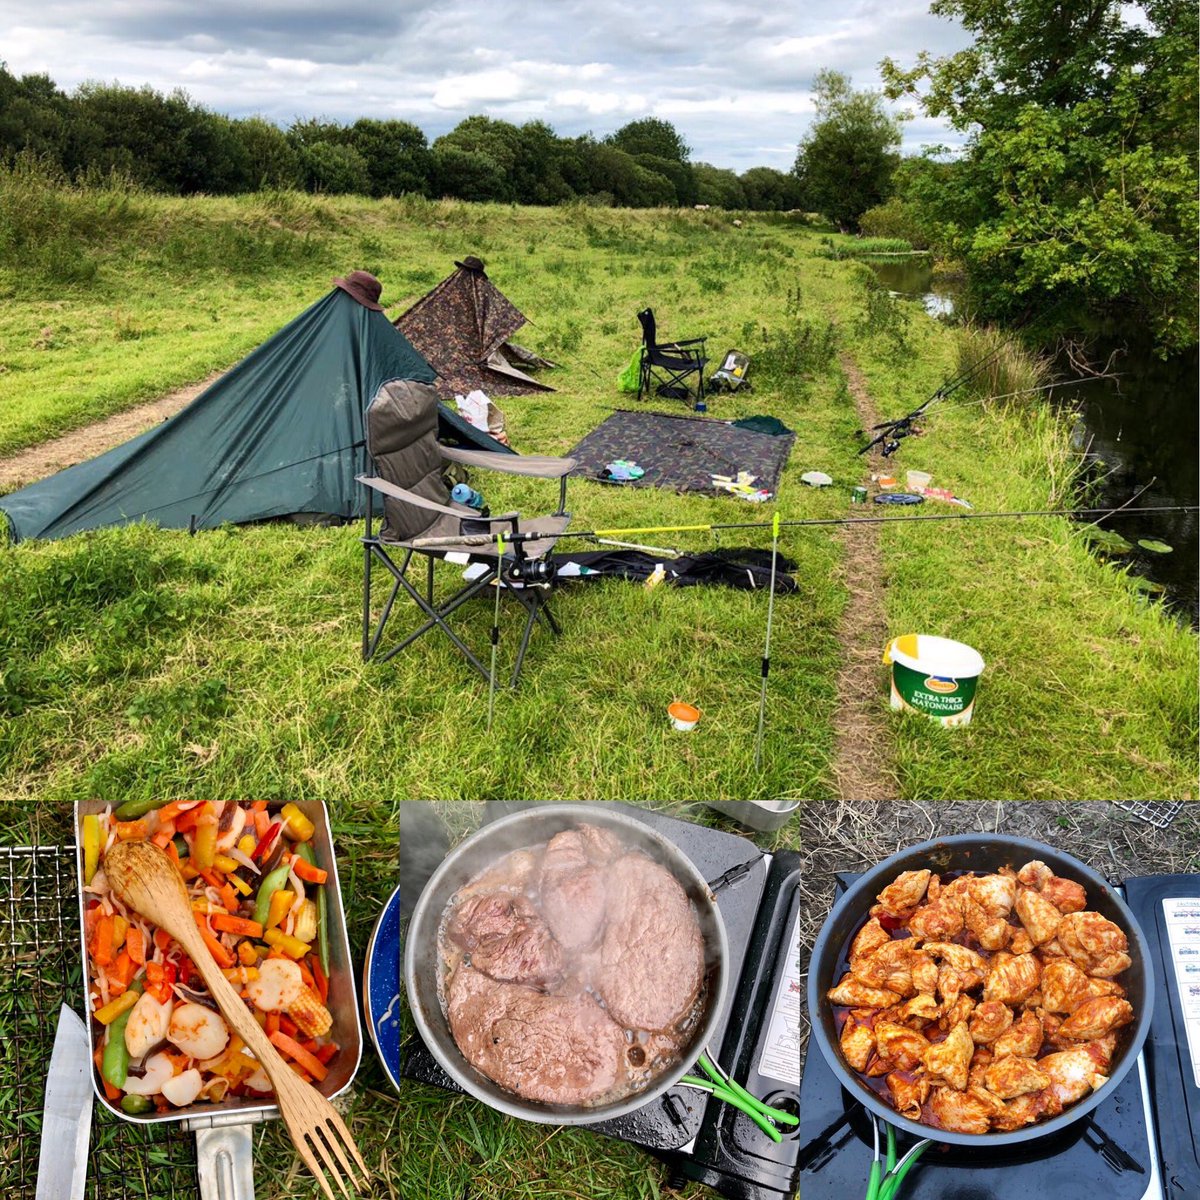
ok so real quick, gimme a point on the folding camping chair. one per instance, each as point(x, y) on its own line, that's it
point(668, 366)
point(408, 460)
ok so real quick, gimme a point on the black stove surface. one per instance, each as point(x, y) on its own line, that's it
point(1105, 1155)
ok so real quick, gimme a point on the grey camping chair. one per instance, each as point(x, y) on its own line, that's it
point(401, 427)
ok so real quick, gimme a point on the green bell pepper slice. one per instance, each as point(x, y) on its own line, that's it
point(114, 1064)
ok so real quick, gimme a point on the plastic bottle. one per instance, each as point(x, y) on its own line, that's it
point(464, 493)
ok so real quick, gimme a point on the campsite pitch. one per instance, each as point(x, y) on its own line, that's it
point(141, 660)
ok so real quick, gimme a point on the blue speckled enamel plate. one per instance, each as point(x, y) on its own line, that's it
point(381, 988)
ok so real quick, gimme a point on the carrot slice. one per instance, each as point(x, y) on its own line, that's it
point(289, 1046)
point(307, 872)
point(102, 948)
point(135, 944)
point(238, 925)
point(222, 956)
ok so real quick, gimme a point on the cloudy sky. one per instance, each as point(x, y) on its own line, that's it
point(734, 79)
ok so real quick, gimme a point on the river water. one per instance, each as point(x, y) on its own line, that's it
point(1143, 426)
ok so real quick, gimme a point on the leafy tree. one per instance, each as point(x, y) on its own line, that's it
point(34, 116)
point(273, 161)
point(768, 190)
point(1077, 186)
point(328, 166)
point(467, 174)
point(847, 157)
point(719, 187)
point(678, 174)
point(396, 153)
point(651, 135)
point(539, 171)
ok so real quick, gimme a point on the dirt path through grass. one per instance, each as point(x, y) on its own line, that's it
point(863, 759)
point(36, 462)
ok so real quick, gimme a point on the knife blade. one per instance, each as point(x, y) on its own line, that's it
point(66, 1113)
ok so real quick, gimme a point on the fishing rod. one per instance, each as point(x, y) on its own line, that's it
point(516, 539)
point(890, 432)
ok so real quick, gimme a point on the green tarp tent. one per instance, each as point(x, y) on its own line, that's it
point(279, 433)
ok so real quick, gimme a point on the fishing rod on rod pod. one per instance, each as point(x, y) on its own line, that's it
point(890, 432)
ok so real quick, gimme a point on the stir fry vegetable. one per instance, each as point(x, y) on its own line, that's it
point(258, 895)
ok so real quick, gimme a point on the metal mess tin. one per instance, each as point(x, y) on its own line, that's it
point(763, 815)
point(224, 1149)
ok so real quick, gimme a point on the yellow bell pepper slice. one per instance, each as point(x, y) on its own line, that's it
point(91, 846)
point(114, 1008)
point(296, 825)
point(292, 947)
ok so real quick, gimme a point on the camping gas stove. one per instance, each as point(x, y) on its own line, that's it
point(757, 1039)
point(1140, 1144)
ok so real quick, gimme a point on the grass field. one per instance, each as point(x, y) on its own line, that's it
point(139, 661)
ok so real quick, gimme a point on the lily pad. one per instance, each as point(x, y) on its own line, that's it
point(1147, 585)
point(1107, 540)
point(1155, 547)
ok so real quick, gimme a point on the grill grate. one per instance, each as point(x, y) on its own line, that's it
point(1159, 813)
point(39, 971)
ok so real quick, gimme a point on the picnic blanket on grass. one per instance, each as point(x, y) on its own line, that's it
point(682, 453)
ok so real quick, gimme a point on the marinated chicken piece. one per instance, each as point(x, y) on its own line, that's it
point(904, 892)
point(989, 1020)
point(857, 1044)
point(1012, 977)
point(1065, 987)
point(855, 994)
point(908, 1094)
point(962, 958)
point(1035, 873)
point(993, 1104)
point(1094, 1018)
point(1037, 914)
point(995, 894)
point(1065, 894)
point(959, 1111)
point(900, 1046)
point(940, 920)
point(1020, 942)
point(868, 939)
point(1024, 1110)
point(948, 1062)
point(952, 983)
point(1024, 1039)
point(992, 933)
point(1013, 1076)
point(924, 973)
point(892, 966)
point(953, 1014)
point(1094, 944)
point(922, 1007)
point(1074, 1073)
point(980, 1061)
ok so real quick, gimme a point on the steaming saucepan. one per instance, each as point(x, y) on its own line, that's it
point(982, 853)
point(527, 828)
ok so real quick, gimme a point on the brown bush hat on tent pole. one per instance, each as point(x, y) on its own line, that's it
point(363, 287)
point(471, 263)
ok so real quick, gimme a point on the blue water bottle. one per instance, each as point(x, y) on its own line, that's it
point(464, 493)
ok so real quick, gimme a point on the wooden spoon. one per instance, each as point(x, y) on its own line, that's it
point(146, 879)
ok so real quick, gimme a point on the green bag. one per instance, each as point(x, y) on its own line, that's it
point(627, 381)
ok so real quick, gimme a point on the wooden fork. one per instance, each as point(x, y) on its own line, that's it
point(145, 879)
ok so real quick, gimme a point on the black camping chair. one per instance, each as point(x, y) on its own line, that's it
point(669, 367)
point(420, 519)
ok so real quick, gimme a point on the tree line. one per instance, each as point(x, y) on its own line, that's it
point(170, 144)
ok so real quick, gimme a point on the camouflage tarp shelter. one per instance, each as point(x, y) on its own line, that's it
point(462, 328)
point(279, 433)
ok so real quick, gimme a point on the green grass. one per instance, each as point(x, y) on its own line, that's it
point(140, 661)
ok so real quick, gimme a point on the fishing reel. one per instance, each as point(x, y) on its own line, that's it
point(529, 570)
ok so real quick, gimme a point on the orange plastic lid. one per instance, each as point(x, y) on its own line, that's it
point(683, 712)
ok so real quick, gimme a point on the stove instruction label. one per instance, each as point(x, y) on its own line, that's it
point(1183, 931)
point(780, 1058)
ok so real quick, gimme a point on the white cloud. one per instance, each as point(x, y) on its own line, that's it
point(735, 79)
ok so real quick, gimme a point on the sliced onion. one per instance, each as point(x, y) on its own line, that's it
point(244, 859)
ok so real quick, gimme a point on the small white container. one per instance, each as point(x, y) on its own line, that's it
point(763, 815)
point(918, 479)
